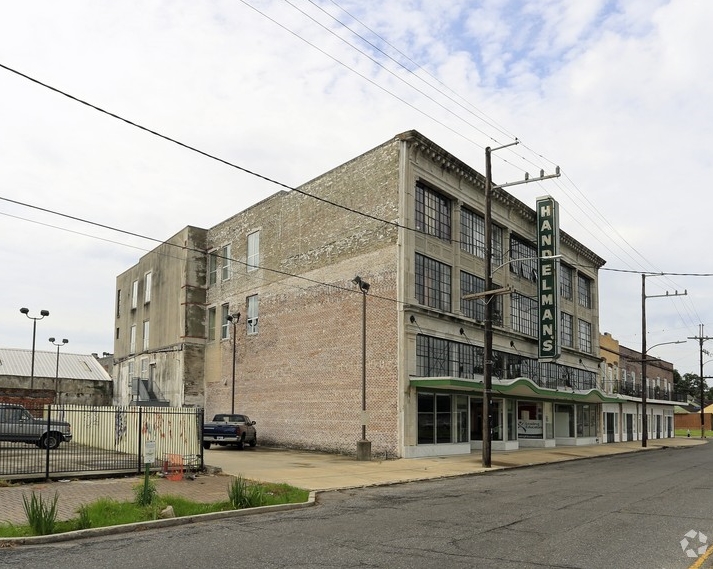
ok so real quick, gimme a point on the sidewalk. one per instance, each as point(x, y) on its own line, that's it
point(309, 470)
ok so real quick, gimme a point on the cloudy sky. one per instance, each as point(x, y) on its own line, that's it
point(617, 93)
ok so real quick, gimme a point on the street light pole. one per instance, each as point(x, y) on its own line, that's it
point(56, 373)
point(701, 338)
point(43, 313)
point(233, 319)
point(488, 331)
point(488, 293)
point(363, 446)
point(644, 418)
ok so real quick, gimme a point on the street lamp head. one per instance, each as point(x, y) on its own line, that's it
point(25, 310)
point(235, 317)
point(44, 313)
point(65, 341)
point(361, 283)
point(52, 339)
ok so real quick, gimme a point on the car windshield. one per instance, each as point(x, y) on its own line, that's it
point(231, 418)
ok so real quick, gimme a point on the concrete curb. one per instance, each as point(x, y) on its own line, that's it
point(151, 524)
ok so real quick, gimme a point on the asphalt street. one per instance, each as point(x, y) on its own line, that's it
point(630, 510)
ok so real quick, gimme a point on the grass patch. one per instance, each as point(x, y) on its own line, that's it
point(106, 512)
point(694, 433)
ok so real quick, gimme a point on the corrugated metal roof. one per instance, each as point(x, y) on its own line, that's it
point(18, 362)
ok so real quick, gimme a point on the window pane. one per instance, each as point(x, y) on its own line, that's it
point(252, 314)
point(426, 432)
point(212, 268)
point(433, 283)
point(147, 287)
point(584, 290)
point(211, 324)
point(566, 329)
point(253, 251)
point(443, 418)
point(524, 259)
point(566, 282)
point(225, 325)
point(585, 336)
point(524, 314)
point(433, 213)
point(225, 263)
point(134, 294)
point(146, 335)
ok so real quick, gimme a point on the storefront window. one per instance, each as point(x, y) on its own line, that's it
point(461, 418)
point(587, 421)
point(549, 421)
point(564, 420)
point(434, 418)
point(443, 418)
point(497, 421)
point(512, 419)
point(529, 420)
point(426, 431)
point(476, 419)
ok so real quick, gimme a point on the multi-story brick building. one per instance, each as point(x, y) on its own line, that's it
point(622, 372)
point(407, 217)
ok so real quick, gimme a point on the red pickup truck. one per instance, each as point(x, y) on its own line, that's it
point(229, 429)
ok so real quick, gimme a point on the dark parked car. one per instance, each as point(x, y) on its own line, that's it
point(18, 425)
point(229, 429)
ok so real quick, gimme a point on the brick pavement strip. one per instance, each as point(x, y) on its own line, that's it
point(74, 493)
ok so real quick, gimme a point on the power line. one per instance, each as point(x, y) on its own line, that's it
point(341, 63)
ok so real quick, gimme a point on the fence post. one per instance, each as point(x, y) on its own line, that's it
point(201, 415)
point(140, 446)
point(47, 442)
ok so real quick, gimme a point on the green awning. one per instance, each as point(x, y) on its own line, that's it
point(521, 387)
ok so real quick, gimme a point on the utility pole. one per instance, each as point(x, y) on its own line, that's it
point(701, 338)
point(644, 418)
point(489, 294)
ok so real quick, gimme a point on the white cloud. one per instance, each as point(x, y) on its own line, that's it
point(617, 93)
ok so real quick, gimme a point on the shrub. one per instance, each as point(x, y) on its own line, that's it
point(41, 515)
point(245, 495)
point(83, 522)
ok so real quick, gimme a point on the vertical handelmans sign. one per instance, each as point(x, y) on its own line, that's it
point(548, 282)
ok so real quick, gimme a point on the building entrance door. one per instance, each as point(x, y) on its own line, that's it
point(476, 419)
point(609, 427)
point(629, 427)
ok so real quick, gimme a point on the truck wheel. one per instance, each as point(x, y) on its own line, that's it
point(50, 440)
point(241, 443)
point(253, 442)
point(206, 445)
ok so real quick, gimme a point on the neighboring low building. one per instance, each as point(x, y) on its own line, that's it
point(407, 217)
point(621, 377)
point(73, 379)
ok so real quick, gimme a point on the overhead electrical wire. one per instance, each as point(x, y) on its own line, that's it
point(490, 124)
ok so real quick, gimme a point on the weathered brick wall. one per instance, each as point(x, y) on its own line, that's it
point(33, 400)
point(71, 391)
point(693, 421)
point(300, 376)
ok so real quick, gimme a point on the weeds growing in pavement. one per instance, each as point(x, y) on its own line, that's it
point(244, 494)
point(106, 512)
point(41, 514)
point(145, 493)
